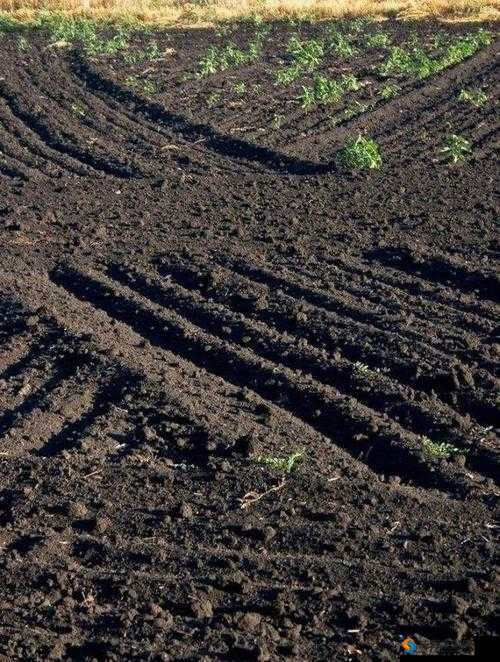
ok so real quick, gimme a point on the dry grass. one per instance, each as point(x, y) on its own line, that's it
point(205, 11)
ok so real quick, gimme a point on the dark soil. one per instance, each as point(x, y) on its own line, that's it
point(186, 289)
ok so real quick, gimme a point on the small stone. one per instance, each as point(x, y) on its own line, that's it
point(250, 621)
point(76, 509)
point(458, 605)
point(148, 435)
point(202, 608)
point(154, 609)
point(185, 511)
point(269, 533)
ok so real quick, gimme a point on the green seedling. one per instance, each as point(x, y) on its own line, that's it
point(378, 40)
point(306, 54)
point(361, 153)
point(417, 63)
point(354, 109)
point(389, 91)
point(229, 57)
point(278, 121)
point(148, 87)
point(441, 450)
point(341, 45)
point(326, 91)
point(240, 88)
point(350, 83)
point(213, 99)
point(283, 465)
point(78, 109)
point(364, 369)
point(287, 75)
point(307, 98)
point(150, 53)
point(439, 40)
point(357, 25)
point(223, 30)
point(457, 148)
point(475, 97)
point(22, 43)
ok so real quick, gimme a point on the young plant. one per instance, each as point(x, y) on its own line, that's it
point(354, 109)
point(22, 43)
point(350, 83)
point(417, 63)
point(476, 97)
point(378, 40)
point(231, 56)
point(209, 64)
point(361, 153)
point(213, 99)
point(327, 91)
point(307, 98)
point(357, 25)
point(287, 75)
point(240, 88)
point(306, 54)
point(389, 91)
point(151, 52)
point(283, 465)
point(441, 450)
point(78, 108)
point(341, 45)
point(457, 148)
point(278, 121)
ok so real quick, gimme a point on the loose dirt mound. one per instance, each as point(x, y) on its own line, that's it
point(188, 292)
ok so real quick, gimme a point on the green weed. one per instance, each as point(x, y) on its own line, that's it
point(78, 108)
point(419, 64)
point(240, 88)
point(360, 153)
point(354, 109)
point(476, 97)
point(148, 87)
point(230, 56)
point(378, 40)
point(22, 43)
point(306, 54)
point(278, 121)
point(389, 91)
point(284, 465)
point(457, 148)
point(326, 91)
point(341, 45)
point(441, 450)
point(213, 99)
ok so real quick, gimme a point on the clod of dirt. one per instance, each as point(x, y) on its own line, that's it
point(184, 511)
point(249, 622)
point(201, 608)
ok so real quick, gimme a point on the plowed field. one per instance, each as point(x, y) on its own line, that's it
point(191, 290)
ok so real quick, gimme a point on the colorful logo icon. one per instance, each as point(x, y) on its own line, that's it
point(409, 646)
